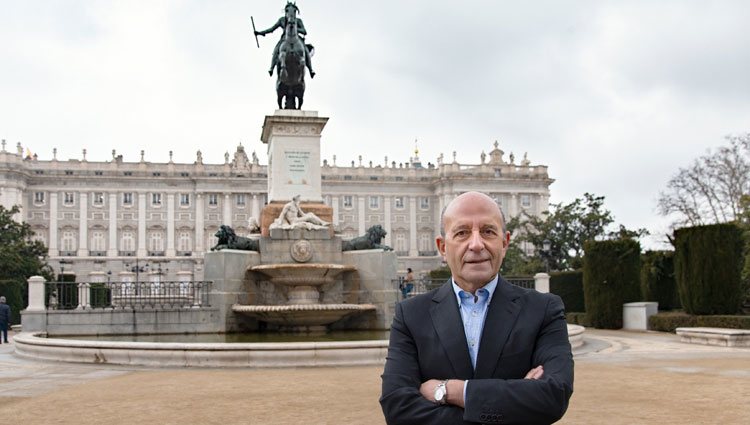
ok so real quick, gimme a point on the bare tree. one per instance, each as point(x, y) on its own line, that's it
point(711, 188)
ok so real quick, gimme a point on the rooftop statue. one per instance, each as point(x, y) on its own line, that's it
point(290, 57)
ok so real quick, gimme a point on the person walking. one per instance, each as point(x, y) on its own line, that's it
point(4, 319)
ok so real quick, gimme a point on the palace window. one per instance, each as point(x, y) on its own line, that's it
point(155, 241)
point(399, 202)
point(127, 198)
point(426, 243)
point(38, 197)
point(401, 245)
point(156, 199)
point(98, 241)
point(98, 198)
point(347, 201)
point(184, 242)
point(69, 198)
point(127, 241)
point(213, 199)
point(424, 203)
point(68, 241)
point(184, 199)
point(374, 202)
point(241, 199)
point(525, 201)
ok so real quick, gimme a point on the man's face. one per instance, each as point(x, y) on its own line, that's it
point(474, 244)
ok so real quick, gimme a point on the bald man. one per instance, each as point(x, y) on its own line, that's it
point(477, 349)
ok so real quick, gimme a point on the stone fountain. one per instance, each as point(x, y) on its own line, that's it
point(296, 275)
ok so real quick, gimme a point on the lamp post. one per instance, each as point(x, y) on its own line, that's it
point(546, 252)
point(137, 269)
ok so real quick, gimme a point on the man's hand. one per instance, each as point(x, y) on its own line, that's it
point(535, 373)
point(427, 389)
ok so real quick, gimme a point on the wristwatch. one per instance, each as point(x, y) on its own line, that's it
point(441, 393)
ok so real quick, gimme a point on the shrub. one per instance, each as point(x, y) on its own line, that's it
point(657, 279)
point(708, 264)
point(440, 273)
point(575, 318)
point(668, 322)
point(611, 276)
point(569, 286)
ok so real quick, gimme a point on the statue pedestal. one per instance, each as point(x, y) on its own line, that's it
point(293, 138)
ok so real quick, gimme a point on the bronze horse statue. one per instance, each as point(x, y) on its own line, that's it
point(290, 83)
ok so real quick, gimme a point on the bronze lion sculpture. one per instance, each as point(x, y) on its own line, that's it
point(229, 240)
point(370, 240)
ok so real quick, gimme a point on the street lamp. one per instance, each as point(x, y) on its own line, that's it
point(546, 253)
point(137, 269)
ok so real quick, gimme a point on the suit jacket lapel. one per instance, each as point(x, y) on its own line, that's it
point(501, 318)
point(446, 318)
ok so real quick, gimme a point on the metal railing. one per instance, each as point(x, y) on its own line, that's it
point(426, 284)
point(127, 295)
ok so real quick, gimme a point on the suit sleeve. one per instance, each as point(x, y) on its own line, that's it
point(542, 401)
point(401, 401)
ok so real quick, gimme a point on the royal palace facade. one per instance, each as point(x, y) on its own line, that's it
point(142, 220)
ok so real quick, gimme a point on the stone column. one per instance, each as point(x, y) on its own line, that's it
point(53, 251)
point(541, 282)
point(36, 294)
point(141, 225)
point(513, 206)
point(199, 223)
point(413, 252)
point(361, 214)
point(83, 229)
point(112, 251)
point(335, 206)
point(255, 211)
point(170, 225)
point(227, 209)
point(387, 219)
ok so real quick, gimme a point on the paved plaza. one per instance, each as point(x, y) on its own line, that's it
point(621, 378)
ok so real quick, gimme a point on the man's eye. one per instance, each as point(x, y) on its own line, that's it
point(461, 233)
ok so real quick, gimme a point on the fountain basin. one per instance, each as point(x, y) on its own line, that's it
point(301, 274)
point(301, 317)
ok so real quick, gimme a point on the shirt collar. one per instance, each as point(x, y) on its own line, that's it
point(489, 287)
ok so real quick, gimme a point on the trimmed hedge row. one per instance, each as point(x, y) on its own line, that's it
point(708, 266)
point(611, 277)
point(569, 286)
point(657, 279)
point(668, 322)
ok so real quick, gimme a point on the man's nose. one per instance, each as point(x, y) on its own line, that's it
point(475, 241)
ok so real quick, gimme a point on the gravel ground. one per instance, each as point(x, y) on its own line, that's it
point(621, 378)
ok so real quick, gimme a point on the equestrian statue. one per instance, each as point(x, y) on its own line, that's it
point(290, 57)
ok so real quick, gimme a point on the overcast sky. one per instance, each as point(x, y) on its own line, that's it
point(614, 96)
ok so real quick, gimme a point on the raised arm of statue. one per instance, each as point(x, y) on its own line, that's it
point(278, 24)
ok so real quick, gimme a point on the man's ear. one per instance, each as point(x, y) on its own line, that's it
point(440, 243)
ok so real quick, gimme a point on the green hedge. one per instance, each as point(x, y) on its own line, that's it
point(575, 318)
point(440, 273)
point(668, 322)
point(708, 266)
point(13, 292)
point(657, 279)
point(611, 277)
point(569, 286)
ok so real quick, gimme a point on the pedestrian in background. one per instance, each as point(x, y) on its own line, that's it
point(4, 319)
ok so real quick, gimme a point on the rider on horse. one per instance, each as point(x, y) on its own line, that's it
point(281, 23)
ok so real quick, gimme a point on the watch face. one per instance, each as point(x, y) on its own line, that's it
point(440, 393)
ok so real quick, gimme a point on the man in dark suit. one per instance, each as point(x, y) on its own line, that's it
point(477, 349)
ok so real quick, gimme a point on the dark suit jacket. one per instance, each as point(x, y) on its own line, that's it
point(523, 329)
